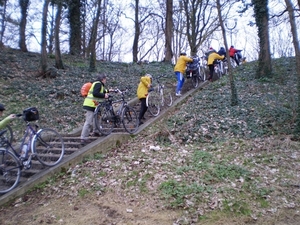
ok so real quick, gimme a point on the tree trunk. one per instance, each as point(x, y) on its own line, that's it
point(234, 97)
point(3, 22)
point(169, 31)
point(137, 32)
point(24, 4)
point(75, 27)
point(262, 21)
point(290, 9)
point(43, 65)
point(58, 59)
point(92, 42)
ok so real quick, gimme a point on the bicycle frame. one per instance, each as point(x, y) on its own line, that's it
point(30, 133)
point(115, 117)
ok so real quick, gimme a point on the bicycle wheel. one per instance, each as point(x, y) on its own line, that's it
point(10, 171)
point(195, 80)
point(48, 146)
point(218, 72)
point(153, 103)
point(130, 119)
point(103, 117)
point(202, 75)
point(225, 65)
point(168, 99)
point(8, 135)
point(233, 63)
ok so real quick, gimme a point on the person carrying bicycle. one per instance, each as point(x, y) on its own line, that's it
point(97, 93)
point(232, 52)
point(7, 119)
point(142, 92)
point(179, 70)
point(222, 51)
point(210, 63)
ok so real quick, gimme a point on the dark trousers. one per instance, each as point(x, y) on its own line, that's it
point(143, 109)
point(211, 71)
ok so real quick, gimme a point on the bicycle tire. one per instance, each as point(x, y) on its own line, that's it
point(8, 135)
point(48, 146)
point(130, 119)
point(225, 68)
point(217, 72)
point(202, 75)
point(168, 99)
point(195, 80)
point(153, 103)
point(10, 171)
point(103, 118)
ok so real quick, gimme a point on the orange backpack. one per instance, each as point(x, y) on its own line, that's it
point(85, 89)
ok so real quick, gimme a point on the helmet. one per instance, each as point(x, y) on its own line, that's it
point(2, 107)
point(182, 53)
point(149, 75)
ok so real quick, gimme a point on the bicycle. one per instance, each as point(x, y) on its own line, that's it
point(46, 145)
point(106, 118)
point(220, 68)
point(158, 97)
point(195, 71)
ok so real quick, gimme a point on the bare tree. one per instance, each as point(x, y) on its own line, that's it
point(74, 17)
point(3, 20)
point(234, 98)
point(169, 31)
point(92, 42)
point(261, 14)
point(292, 17)
point(200, 22)
point(44, 63)
point(24, 4)
point(139, 27)
point(58, 59)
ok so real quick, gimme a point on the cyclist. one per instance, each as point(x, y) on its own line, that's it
point(7, 119)
point(142, 92)
point(179, 70)
point(232, 52)
point(210, 63)
point(97, 93)
point(222, 51)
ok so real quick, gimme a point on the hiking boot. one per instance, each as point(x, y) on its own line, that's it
point(85, 141)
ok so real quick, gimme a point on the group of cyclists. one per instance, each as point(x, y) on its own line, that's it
point(211, 56)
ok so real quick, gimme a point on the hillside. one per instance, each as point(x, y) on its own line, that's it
point(58, 99)
point(216, 163)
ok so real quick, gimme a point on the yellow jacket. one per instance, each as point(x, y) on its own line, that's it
point(181, 63)
point(142, 90)
point(212, 57)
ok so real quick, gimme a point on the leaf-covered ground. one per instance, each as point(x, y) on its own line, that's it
point(206, 163)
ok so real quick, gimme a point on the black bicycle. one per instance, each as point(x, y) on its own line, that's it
point(195, 72)
point(46, 145)
point(107, 118)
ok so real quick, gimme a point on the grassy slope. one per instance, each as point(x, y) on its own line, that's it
point(218, 160)
point(58, 100)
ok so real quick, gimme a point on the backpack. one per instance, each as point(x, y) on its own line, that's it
point(85, 89)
